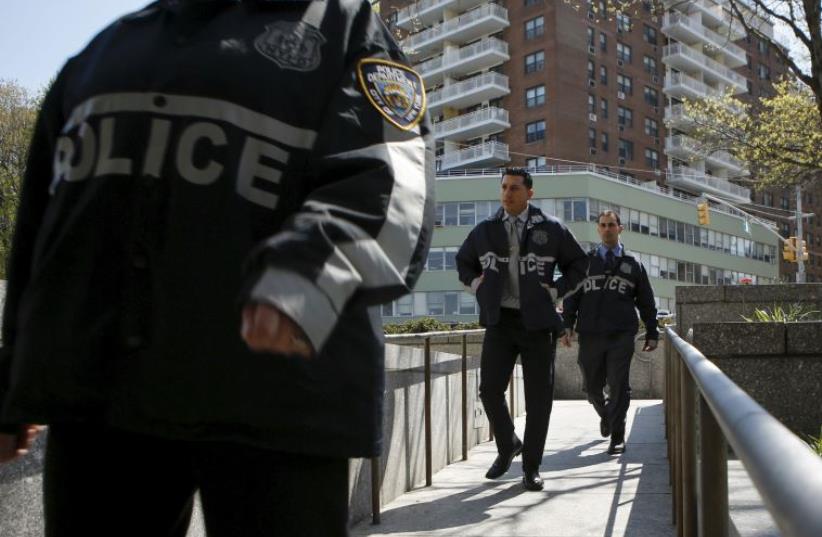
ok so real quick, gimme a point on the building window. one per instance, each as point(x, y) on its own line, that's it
point(650, 65)
point(534, 27)
point(535, 131)
point(649, 35)
point(603, 108)
point(603, 75)
point(626, 149)
point(762, 46)
point(592, 138)
point(625, 117)
point(748, 61)
point(651, 96)
point(603, 42)
point(592, 104)
point(625, 84)
point(767, 199)
point(750, 86)
point(651, 127)
point(623, 52)
point(623, 23)
point(535, 96)
point(604, 140)
point(590, 37)
point(652, 158)
point(764, 72)
point(535, 163)
point(535, 61)
point(532, 2)
point(591, 70)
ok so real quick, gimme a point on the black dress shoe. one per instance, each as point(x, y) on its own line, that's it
point(531, 480)
point(617, 445)
point(604, 428)
point(503, 462)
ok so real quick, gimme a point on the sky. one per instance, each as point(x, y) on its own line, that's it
point(38, 36)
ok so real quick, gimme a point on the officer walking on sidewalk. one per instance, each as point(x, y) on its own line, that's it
point(604, 314)
point(508, 260)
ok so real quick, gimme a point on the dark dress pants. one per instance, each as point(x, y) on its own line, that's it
point(103, 482)
point(606, 358)
point(536, 349)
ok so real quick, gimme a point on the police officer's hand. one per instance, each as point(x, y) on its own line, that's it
point(567, 337)
point(267, 329)
point(650, 344)
point(13, 445)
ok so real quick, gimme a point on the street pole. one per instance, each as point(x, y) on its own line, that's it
point(800, 264)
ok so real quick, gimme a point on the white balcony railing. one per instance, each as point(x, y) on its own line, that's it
point(428, 12)
point(732, 52)
point(440, 31)
point(486, 154)
point(482, 54)
point(680, 144)
point(473, 84)
point(686, 176)
point(700, 89)
point(705, 63)
point(471, 120)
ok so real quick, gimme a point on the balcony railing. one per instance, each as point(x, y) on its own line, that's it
point(427, 12)
point(466, 87)
point(464, 60)
point(415, 43)
point(701, 89)
point(477, 118)
point(679, 143)
point(684, 175)
point(705, 63)
point(732, 52)
point(487, 154)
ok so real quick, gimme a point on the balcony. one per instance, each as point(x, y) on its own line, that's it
point(488, 19)
point(686, 148)
point(690, 30)
point(469, 92)
point(685, 86)
point(478, 123)
point(696, 181)
point(484, 54)
point(684, 58)
point(676, 118)
point(487, 155)
point(428, 12)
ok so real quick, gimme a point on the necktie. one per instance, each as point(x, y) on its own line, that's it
point(513, 257)
point(609, 260)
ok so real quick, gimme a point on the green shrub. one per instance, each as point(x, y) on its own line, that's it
point(816, 443)
point(780, 314)
point(426, 324)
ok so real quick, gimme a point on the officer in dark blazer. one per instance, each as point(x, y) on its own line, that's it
point(508, 260)
point(604, 314)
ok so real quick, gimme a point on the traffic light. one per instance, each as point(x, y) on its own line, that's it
point(789, 250)
point(702, 214)
point(803, 249)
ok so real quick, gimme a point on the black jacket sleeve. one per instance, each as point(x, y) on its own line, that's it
point(362, 235)
point(573, 264)
point(570, 309)
point(468, 265)
point(646, 305)
point(34, 197)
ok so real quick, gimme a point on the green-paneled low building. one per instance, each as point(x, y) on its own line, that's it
point(660, 225)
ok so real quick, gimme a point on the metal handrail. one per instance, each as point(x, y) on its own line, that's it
point(427, 337)
point(787, 474)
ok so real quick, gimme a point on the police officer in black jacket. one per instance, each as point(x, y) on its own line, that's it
point(603, 312)
point(219, 193)
point(508, 260)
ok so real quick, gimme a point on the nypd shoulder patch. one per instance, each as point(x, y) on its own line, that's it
point(396, 91)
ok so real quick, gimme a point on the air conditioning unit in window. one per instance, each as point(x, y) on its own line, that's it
point(592, 150)
point(592, 83)
point(621, 161)
point(620, 63)
point(592, 117)
point(592, 50)
point(621, 95)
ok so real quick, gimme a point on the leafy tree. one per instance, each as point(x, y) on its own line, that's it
point(778, 138)
point(18, 112)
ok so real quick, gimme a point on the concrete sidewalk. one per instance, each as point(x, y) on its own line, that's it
point(587, 492)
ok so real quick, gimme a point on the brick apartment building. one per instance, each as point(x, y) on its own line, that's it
point(547, 83)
